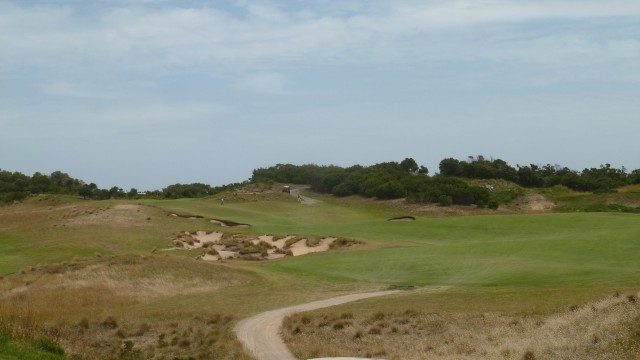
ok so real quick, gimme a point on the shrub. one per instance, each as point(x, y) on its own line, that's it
point(390, 190)
point(311, 242)
point(445, 200)
point(342, 242)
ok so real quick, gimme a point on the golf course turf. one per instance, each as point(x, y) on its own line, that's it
point(491, 262)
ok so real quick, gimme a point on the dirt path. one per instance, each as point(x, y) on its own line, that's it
point(301, 198)
point(260, 334)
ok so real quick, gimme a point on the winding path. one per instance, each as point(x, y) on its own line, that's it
point(260, 334)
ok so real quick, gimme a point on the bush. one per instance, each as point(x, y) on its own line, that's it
point(445, 200)
point(493, 205)
point(390, 190)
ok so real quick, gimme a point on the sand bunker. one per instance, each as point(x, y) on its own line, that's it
point(301, 247)
point(192, 217)
point(228, 223)
point(403, 218)
point(265, 247)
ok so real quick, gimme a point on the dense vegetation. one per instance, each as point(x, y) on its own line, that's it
point(604, 178)
point(392, 180)
point(388, 180)
point(15, 186)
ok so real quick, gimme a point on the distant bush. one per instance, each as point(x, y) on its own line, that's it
point(445, 200)
point(493, 204)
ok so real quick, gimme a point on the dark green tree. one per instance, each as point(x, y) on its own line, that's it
point(409, 165)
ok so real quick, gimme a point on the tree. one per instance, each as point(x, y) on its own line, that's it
point(634, 176)
point(450, 167)
point(40, 184)
point(86, 191)
point(409, 165)
point(133, 193)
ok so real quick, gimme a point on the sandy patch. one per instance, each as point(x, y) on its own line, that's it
point(122, 215)
point(281, 242)
point(272, 250)
point(301, 248)
point(205, 237)
point(126, 207)
point(534, 203)
point(198, 240)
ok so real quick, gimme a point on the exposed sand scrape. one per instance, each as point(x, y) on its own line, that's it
point(205, 237)
point(533, 203)
point(121, 215)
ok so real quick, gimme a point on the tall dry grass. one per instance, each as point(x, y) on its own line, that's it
point(608, 329)
point(91, 308)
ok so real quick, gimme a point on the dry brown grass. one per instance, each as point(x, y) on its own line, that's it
point(90, 308)
point(609, 329)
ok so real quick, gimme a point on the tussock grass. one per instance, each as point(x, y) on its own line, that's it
point(608, 329)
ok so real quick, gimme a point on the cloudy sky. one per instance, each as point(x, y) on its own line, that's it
point(148, 93)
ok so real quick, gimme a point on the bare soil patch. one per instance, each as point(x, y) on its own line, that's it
point(122, 215)
point(533, 202)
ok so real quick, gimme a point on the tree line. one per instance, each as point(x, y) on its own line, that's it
point(405, 179)
point(603, 178)
point(15, 186)
point(387, 180)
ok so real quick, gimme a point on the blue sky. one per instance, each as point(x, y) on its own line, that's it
point(144, 93)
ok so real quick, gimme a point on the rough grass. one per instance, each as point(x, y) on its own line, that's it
point(607, 329)
point(103, 308)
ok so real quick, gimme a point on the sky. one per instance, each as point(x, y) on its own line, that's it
point(148, 93)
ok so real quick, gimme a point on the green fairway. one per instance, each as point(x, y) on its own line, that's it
point(527, 250)
point(576, 250)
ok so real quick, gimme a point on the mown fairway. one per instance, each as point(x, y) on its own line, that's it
point(535, 264)
point(565, 255)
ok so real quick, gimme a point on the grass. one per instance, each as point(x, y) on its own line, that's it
point(517, 266)
point(596, 331)
point(22, 349)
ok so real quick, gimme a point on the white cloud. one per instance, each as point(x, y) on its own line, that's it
point(267, 83)
point(63, 88)
point(173, 38)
